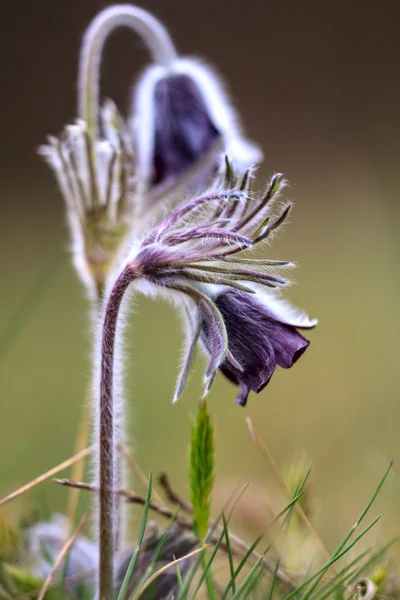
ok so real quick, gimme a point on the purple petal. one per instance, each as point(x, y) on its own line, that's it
point(247, 343)
point(257, 341)
point(183, 128)
point(243, 394)
point(287, 342)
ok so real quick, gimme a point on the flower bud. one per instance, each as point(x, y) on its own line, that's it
point(180, 110)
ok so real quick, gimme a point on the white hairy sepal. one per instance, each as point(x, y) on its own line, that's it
point(242, 153)
point(282, 310)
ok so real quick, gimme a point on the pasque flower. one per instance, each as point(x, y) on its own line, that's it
point(194, 257)
point(246, 331)
point(180, 110)
point(110, 172)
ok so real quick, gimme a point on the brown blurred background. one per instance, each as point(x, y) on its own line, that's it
point(317, 85)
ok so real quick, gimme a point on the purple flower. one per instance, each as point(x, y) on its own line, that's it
point(183, 130)
point(259, 340)
point(192, 256)
point(181, 111)
point(46, 539)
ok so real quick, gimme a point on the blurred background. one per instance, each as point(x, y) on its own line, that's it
point(317, 85)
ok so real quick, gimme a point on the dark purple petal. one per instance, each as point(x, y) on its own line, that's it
point(184, 131)
point(287, 342)
point(256, 340)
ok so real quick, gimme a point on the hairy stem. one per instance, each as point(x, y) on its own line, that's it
point(108, 479)
point(148, 27)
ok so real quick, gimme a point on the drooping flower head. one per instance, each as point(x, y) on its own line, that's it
point(262, 335)
point(195, 254)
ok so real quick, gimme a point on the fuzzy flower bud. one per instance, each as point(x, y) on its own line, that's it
point(180, 110)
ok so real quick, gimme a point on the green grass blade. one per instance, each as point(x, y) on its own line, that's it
point(281, 513)
point(274, 580)
point(288, 508)
point(193, 570)
point(183, 594)
point(229, 551)
point(254, 583)
point(242, 563)
point(376, 556)
point(365, 511)
point(340, 578)
point(179, 577)
point(298, 492)
point(207, 565)
point(248, 579)
point(335, 557)
point(342, 549)
point(124, 587)
point(158, 550)
point(212, 595)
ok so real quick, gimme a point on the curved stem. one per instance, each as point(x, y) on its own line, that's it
point(106, 442)
point(148, 27)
